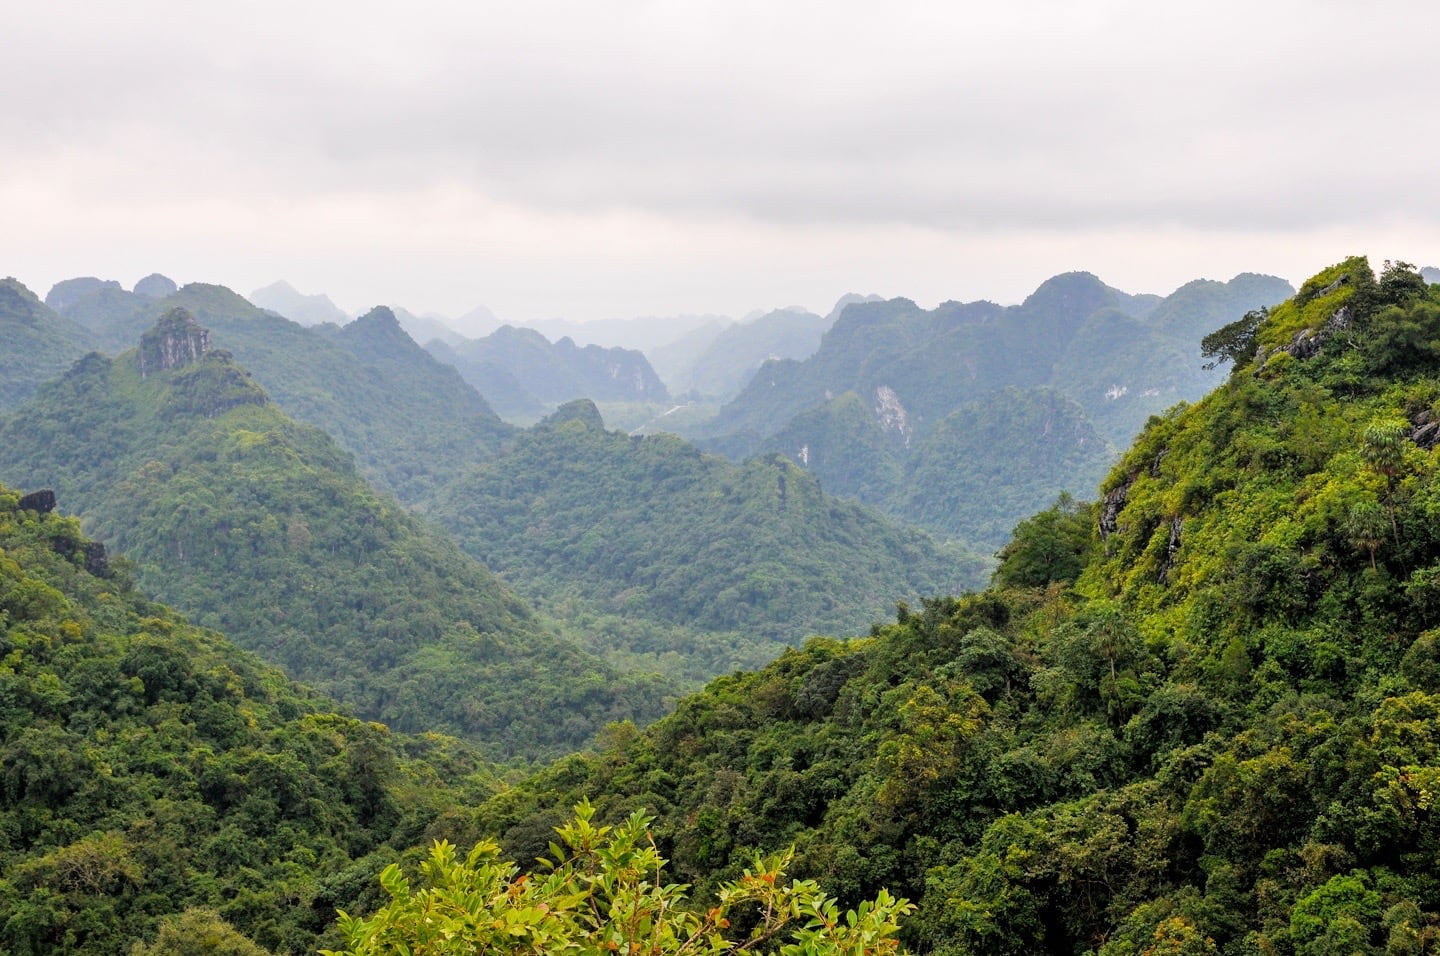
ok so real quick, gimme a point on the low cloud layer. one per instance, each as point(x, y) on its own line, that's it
point(615, 158)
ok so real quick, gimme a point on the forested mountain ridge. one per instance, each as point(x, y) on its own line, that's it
point(260, 527)
point(157, 781)
point(972, 475)
point(36, 343)
point(1099, 360)
point(648, 529)
point(1201, 715)
point(410, 421)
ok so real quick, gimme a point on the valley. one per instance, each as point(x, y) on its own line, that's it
point(1098, 623)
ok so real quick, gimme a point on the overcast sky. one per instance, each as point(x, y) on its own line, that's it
point(602, 159)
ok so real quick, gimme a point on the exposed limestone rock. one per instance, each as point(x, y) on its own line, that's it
point(1343, 280)
point(96, 561)
point(1110, 513)
point(1426, 432)
point(891, 414)
point(1308, 343)
point(42, 501)
point(176, 340)
point(1176, 524)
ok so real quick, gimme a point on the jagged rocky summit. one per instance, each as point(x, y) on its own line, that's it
point(175, 340)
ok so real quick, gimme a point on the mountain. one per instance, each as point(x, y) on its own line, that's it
point(158, 781)
point(723, 368)
point(424, 328)
point(67, 292)
point(936, 359)
point(477, 322)
point(972, 475)
point(522, 373)
point(1102, 359)
point(115, 317)
point(849, 298)
point(284, 299)
point(36, 344)
point(1430, 274)
point(410, 420)
point(732, 562)
point(261, 527)
point(981, 469)
point(1214, 727)
point(1122, 371)
point(155, 286)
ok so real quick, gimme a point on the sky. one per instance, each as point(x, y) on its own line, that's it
point(609, 159)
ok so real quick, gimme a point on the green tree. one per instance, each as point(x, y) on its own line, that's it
point(1234, 342)
point(604, 894)
point(1047, 548)
point(1383, 447)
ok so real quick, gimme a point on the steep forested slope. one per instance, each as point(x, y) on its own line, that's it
point(972, 474)
point(260, 527)
point(653, 531)
point(36, 344)
point(155, 779)
point(1223, 735)
point(409, 420)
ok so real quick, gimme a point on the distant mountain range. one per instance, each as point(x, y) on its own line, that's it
point(797, 383)
point(1022, 402)
point(403, 415)
point(548, 507)
point(524, 375)
point(282, 298)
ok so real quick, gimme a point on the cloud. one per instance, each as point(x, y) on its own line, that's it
point(590, 123)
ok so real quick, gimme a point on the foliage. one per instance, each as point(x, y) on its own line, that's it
point(260, 527)
point(603, 893)
point(749, 558)
point(1235, 342)
point(36, 344)
point(1049, 548)
point(988, 412)
point(158, 784)
point(410, 421)
point(1223, 735)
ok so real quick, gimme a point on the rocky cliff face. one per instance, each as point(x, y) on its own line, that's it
point(175, 341)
